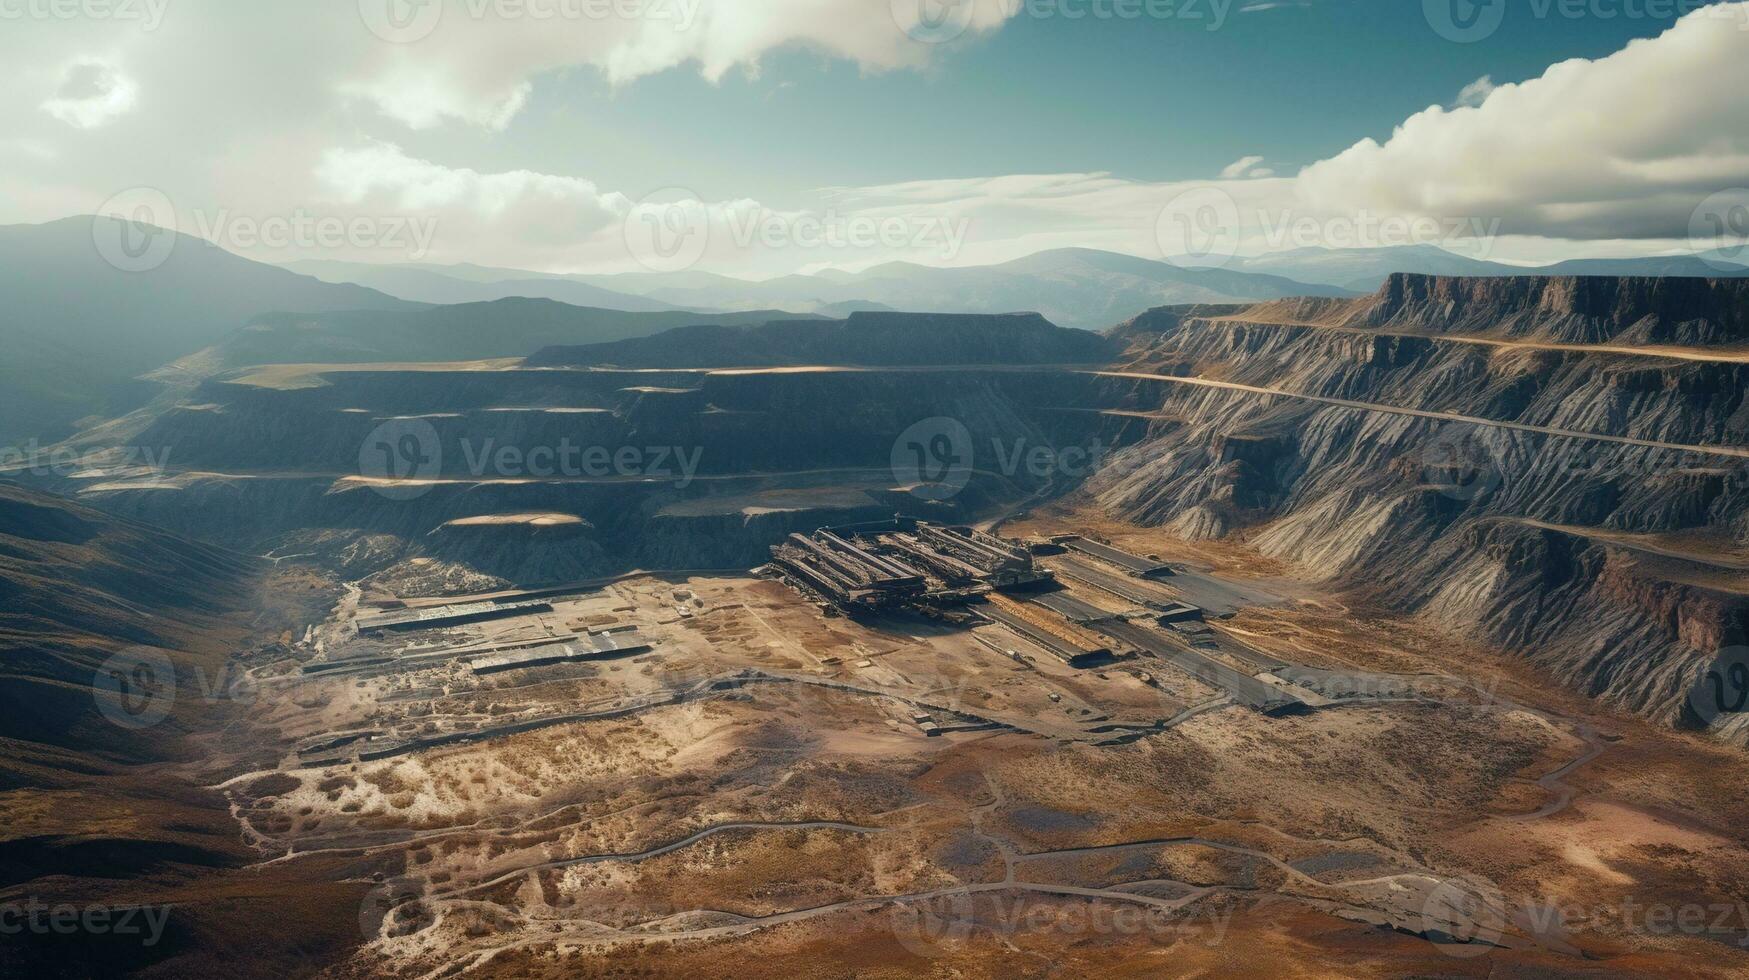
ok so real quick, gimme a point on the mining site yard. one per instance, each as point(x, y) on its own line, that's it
point(986, 750)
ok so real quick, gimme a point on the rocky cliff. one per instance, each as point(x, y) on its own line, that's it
point(1499, 455)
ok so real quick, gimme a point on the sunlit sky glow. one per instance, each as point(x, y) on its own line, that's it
point(525, 131)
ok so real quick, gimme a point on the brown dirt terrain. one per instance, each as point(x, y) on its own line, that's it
point(807, 826)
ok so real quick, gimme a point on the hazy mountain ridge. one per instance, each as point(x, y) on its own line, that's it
point(1075, 287)
point(81, 330)
point(1081, 288)
point(441, 285)
point(864, 338)
point(513, 327)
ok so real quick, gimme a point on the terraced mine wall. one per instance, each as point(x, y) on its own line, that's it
point(1504, 457)
point(724, 464)
point(1446, 448)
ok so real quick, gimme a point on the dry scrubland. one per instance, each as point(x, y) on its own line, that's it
point(790, 827)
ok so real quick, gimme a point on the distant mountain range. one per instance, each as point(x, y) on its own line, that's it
point(513, 327)
point(79, 330)
point(87, 341)
point(475, 284)
point(1072, 287)
point(864, 339)
point(82, 332)
point(1082, 288)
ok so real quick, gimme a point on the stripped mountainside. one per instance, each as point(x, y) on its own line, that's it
point(78, 587)
point(1557, 465)
point(124, 659)
point(636, 453)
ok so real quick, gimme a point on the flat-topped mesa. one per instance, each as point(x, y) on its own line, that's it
point(865, 339)
point(1566, 309)
point(1620, 310)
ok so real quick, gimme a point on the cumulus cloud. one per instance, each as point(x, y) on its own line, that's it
point(1626, 146)
point(1618, 150)
point(474, 60)
point(538, 218)
point(91, 94)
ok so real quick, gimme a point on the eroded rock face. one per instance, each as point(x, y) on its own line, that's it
point(1451, 447)
point(1571, 309)
point(649, 466)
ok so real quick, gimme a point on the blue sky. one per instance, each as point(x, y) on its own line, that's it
point(1148, 99)
point(801, 134)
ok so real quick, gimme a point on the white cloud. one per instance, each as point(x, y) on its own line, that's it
point(1477, 92)
point(479, 69)
point(1245, 167)
point(91, 94)
point(1617, 150)
point(1622, 147)
point(539, 218)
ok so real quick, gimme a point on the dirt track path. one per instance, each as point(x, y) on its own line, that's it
point(1735, 452)
point(1653, 351)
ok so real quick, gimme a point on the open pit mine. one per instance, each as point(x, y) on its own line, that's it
point(1399, 635)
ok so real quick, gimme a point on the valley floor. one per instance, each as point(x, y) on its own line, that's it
point(744, 785)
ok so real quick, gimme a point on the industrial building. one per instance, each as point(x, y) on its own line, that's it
point(972, 577)
point(1134, 565)
point(902, 563)
point(1047, 629)
point(593, 646)
point(853, 577)
point(402, 620)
